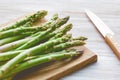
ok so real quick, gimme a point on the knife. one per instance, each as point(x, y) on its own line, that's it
point(106, 32)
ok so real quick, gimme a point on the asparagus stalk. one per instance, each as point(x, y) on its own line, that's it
point(28, 24)
point(8, 55)
point(18, 43)
point(17, 31)
point(12, 54)
point(32, 18)
point(63, 46)
point(44, 25)
point(40, 37)
point(13, 45)
point(44, 59)
point(29, 33)
point(47, 25)
point(2, 63)
point(55, 17)
point(80, 38)
point(31, 52)
point(54, 34)
point(68, 45)
point(38, 56)
point(11, 39)
point(62, 31)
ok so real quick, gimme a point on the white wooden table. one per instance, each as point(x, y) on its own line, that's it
point(108, 66)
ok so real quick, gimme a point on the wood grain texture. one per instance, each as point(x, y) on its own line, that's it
point(114, 44)
point(108, 66)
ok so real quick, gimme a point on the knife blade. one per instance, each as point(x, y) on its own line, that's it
point(106, 32)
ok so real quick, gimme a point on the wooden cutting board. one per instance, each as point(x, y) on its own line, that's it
point(59, 69)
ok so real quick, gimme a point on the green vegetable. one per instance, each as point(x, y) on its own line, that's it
point(40, 37)
point(8, 55)
point(55, 17)
point(43, 59)
point(58, 33)
point(11, 54)
point(24, 45)
point(66, 45)
point(17, 31)
point(11, 39)
point(32, 18)
point(62, 46)
point(28, 24)
point(32, 51)
point(62, 31)
point(18, 43)
point(80, 38)
point(13, 45)
point(2, 63)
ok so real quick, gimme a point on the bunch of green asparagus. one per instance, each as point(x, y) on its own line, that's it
point(24, 45)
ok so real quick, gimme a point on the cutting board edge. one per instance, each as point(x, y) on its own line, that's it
point(68, 72)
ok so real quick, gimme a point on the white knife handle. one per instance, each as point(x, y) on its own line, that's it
point(114, 44)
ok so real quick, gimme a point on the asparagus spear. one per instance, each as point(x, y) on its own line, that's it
point(29, 33)
point(40, 37)
point(32, 51)
point(65, 46)
point(38, 56)
point(55, 17)
point(54, 34)
point(32, 18)
point(68, 45)
point(45, 58)
point(18, 43)
point(28, 24)
point(13, 45)
point(80, 38)
point(62, 31)
point(43, 26)
point(9, 55)
point(47, 25)
point(17, 31)
point(11, 39)
point(2, 63)
point(12, 54)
